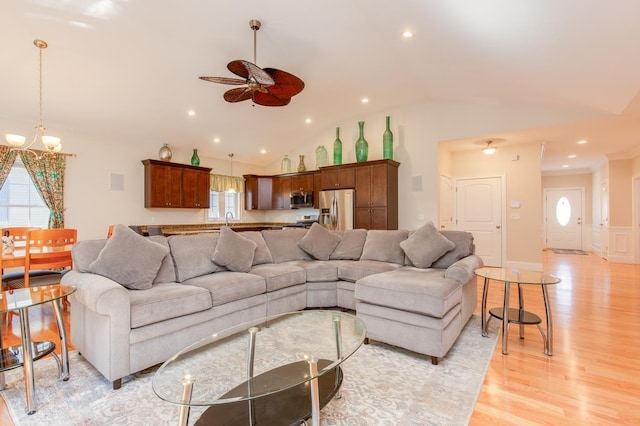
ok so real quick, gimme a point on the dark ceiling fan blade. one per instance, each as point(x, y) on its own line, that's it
point(286, 84)
point(238, 68)
point(269, 99)
point(250, 71)
point(224, 80)
point(238, 95)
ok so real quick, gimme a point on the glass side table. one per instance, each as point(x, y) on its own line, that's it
point(517, 316)
point(25, 354)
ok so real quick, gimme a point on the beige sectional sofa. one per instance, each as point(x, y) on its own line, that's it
point(140, 299)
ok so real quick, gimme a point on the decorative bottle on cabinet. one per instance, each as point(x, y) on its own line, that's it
point(321, 156)
point(195, 160)
point(387, 142)
point(301, 166)
point(362, 147)
point(285, 165)
point(165, 153)
point(337, 148)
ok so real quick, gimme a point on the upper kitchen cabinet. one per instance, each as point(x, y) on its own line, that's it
point(172, 185)
point(258, 192)
point(338, 177)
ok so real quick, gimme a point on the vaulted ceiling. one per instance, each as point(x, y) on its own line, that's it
point(130, 67)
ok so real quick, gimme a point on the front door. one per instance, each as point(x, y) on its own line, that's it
point(479, 211)
point(563, 218)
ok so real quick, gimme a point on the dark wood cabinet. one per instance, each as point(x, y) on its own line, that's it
point(302, 182)
point(172, 185)
point(376, 200)
point(281, 199)
point(317, 187)
point(258, 191)
point(338, 177)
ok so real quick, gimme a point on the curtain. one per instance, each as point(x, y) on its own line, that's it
point(7, 158)
point(223, 183)
point(47, 173)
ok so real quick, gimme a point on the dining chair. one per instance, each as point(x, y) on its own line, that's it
point(110, 231)
point(19, 235)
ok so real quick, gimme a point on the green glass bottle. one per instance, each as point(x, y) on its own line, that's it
point(387, 142)
point(195, 160)
point(337, 148)
point(362, 147)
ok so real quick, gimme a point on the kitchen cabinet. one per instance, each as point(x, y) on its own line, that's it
point(258, 192)
point(172, 185)
point(376, 198)
point(281, 199)
point(317, 187)
point(302, 182)
point(338, 177)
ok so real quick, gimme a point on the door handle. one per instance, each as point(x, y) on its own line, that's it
point(498, 226)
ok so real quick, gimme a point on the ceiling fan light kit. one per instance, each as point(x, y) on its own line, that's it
point(489, 149)
point(264, 86)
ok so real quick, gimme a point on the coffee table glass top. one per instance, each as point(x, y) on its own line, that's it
point(26, 297)
point(220, 363)
point(516, 276)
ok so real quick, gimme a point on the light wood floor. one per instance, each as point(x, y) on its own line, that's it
point(593, 376)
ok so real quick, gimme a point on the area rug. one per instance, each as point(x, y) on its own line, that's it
point(383, 385)
point(570, 251)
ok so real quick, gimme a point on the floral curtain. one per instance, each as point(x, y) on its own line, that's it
point(223, 183)
point(7, 158)
point(47, 173)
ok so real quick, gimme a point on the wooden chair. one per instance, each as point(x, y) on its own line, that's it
point(19, 235)
point(110, 231)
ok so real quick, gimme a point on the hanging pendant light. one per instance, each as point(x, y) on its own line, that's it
point(51, 144)
point(231, 188)
point(489, 149)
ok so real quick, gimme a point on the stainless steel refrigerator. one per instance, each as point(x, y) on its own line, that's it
point(337, 209)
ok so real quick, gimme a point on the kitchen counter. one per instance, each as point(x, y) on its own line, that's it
point(215, 227)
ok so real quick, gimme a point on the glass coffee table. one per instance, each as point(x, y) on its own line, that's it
point(25, 354)
point(277, 370)
point(517, 316)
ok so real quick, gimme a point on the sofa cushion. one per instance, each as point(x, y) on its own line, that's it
point(318, 270)
point(352, 271)
point(283, 244)
point(463, 247)
point(423, 291)
point(426, 245)
point(165, 301)
point(228, 286)
point(167, 271)
point(319, 242)
point(192, 254)
point(234, 251)
point(384, 246)
point(262, 254)
point(350, 245)
point(279, 276)
point(129, 259)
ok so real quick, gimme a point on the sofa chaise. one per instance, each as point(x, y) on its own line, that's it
point(139, 300)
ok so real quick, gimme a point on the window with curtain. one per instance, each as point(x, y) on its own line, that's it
point(20, 203)
point(225, 196)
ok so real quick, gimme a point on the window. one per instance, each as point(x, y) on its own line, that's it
point(563, 211)
point(20, 203)
point(221, 203)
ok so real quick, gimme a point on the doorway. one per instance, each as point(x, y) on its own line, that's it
point(563, 218)
point(479, 204)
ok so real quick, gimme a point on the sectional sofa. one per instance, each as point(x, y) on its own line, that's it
point(141, 299)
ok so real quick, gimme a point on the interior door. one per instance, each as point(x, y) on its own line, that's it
point(479, 211)
point(446, 202)
point(563, 218)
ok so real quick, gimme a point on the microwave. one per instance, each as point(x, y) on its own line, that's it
point(301, 199)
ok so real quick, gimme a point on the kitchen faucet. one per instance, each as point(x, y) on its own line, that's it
point(226, 218)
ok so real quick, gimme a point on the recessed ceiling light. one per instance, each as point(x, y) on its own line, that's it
point(565, 166)
point(216, 140)
point(191, 113)
point(572, 156)
point(582, 142)
point(407, 34)
point(263, 151)
point(308, 121)
point(365, 100)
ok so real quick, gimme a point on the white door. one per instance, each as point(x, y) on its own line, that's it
point(563, 218)
point(479, 211)
point(446, 202)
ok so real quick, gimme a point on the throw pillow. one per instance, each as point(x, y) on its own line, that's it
point(129, 259)
point(319, 242)
point(350, 245)
point(192, 254)
point(234, 251)
point(167, 271)
point(262, 254)
point(426, 245)
point(283, 244)
point(384, 246)
point(464, 247)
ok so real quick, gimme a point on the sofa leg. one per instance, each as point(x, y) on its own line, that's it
point(117, 384)
point(434, 360)
point(366, 340)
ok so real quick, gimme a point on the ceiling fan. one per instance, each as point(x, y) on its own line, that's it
point(265, 86)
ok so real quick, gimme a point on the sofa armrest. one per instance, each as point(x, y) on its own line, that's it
point(462, 270)
point(99, 294)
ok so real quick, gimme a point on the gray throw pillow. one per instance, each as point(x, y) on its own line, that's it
point(262, 254)
point(129, 259)
point(426, 245)
point(283, 244)
point(464, 247)
point(384, 246)
point(85, 252)
point(319, 242)
point(192, 254)
point(234, 251)
point(167, 272)
point(350, 245)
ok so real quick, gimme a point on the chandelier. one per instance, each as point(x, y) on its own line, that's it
point(51, 143)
